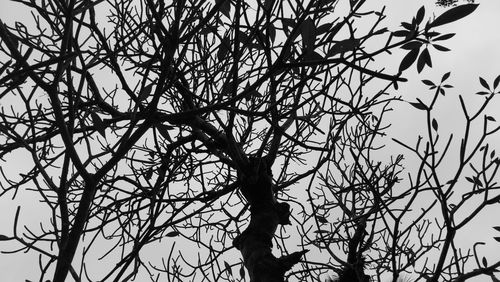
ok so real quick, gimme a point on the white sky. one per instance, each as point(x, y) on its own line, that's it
point(475, 52)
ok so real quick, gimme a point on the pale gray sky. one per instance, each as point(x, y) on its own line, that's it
point(475, 52)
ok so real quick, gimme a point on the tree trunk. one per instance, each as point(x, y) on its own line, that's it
point(255, 243)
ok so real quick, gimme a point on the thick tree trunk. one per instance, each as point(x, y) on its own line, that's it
point(255, 243)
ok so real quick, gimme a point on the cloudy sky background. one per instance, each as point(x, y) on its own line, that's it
point(475, 52)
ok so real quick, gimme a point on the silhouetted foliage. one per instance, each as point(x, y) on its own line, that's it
point(447, 3)
point(175, 141)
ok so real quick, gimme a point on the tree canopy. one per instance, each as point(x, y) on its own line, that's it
point(235, 140)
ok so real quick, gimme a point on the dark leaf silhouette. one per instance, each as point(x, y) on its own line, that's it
point(145, 92)
point(409, 59)
point(454, 14)
point(343, 46)
point(444, 37)
point(484, 83)
point(419, 105)
point(98, 124)
point(445, 77)
point(223, 48)
point(420, 15)
point(412, 45)
point(440, 48)
point(401, 33)
point(428, 82)
point(424, 59)
point(495, 83)
point(434, 124)
point(228, 268)
point(225, 7)
point(308, 32)
point(172, 234)
point(163, 130)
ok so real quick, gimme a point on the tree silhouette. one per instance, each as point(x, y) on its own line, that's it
point(172, 139)
point(447, 3)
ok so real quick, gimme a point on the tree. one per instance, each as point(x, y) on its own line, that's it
point(215, 125)
point(447, 3)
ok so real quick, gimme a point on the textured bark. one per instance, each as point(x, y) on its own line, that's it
point(353, 271)
point(255, 243)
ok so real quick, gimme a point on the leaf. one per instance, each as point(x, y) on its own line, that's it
point(432, 34)
point(148, 174)
point(497, 239)
point(324, 28)
point(401, 33)
point(428, 82)
point(490, 118)
point(252, 94)
point(308, 32)
point(4, 238)
point(343, 46)
point(484, 83)
point(223, 49)
point(173, 234)
point(313, 56)
point(485, 262)
point(145, 92)
point(163, 130)
point(407, 26)
point(420, 15)
point(321, 219)
point(496, 82)
point(408, 60)
point(424, 59)
point(228, 268)
point(497, 228)
point(13, 38)
point(453, 14)
point(272, 32)
point(445, 77)
point(268, 4)
point(441, 90)
point(434, 124)
point(412, 45)
point(225, 8)
point(440, 48)
point(419, 105)
point(469, 179)
point(482, 93)
point(98, 123)
point(478, 182)
point(444, 37)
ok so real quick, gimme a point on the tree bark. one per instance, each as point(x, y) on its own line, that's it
point(255, 243)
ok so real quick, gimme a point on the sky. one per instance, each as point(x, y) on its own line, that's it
point(475, 52)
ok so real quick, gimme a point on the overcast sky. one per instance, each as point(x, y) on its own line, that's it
point(475, 52)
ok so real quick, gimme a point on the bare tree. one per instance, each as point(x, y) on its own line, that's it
point(203, 128)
